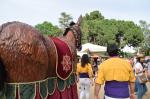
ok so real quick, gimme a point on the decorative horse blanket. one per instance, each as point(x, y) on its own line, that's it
point(64, 60)
point(61, 87)
point(50, 88)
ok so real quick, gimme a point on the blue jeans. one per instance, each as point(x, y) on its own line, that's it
point(140, 89)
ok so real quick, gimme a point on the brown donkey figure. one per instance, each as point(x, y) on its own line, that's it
point(34, 66)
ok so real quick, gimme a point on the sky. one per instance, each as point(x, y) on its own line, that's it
point(37, 11)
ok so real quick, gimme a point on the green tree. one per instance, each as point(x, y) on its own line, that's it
point(89, 28)
point(95, 15)
point(146, 32)
point(48, 29)
point(65, 20)
point(132, 33)
point(98, 30)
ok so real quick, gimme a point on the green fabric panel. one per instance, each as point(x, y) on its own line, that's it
point(61, 84)
point(72, 79)
point(27, 91)
point(51, 85)
point(68, 82)
point(43, 89)
point(10, 91)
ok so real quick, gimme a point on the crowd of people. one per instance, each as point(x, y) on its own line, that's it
point(122, 79)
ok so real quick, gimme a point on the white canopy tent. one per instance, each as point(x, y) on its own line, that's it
point(93, 48)
point(79, 53)
point(128, 49)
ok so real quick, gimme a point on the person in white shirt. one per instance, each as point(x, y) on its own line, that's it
point(138, 69)
point(139, 88)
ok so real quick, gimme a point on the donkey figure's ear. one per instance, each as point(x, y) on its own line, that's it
point(79, 20)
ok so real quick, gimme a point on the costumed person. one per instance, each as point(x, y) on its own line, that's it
point(140, 88)
point(118, 76)
point(84, 75)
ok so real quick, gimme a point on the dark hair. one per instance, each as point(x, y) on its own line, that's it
point(68, 28)
point(138, 59)
point(84, 60)
point(66, 31)
point(141, 60)
point(112, 49)
point(72, 23)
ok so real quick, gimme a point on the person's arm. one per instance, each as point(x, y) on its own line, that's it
point(99, 81)
point(97, 89)
point(100, 74)
point(77, 72)
point(132, 85)
point(131, 82)
point(90, 72)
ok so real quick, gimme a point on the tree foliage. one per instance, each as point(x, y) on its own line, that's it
point(95, 15)
point(99, 30)
point(65, 20)
point(48, 29)
point(146, 32)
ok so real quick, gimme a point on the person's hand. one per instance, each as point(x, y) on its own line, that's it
point(96, 97)
point(77, 79)
point(92, 83)
point(132, 96)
